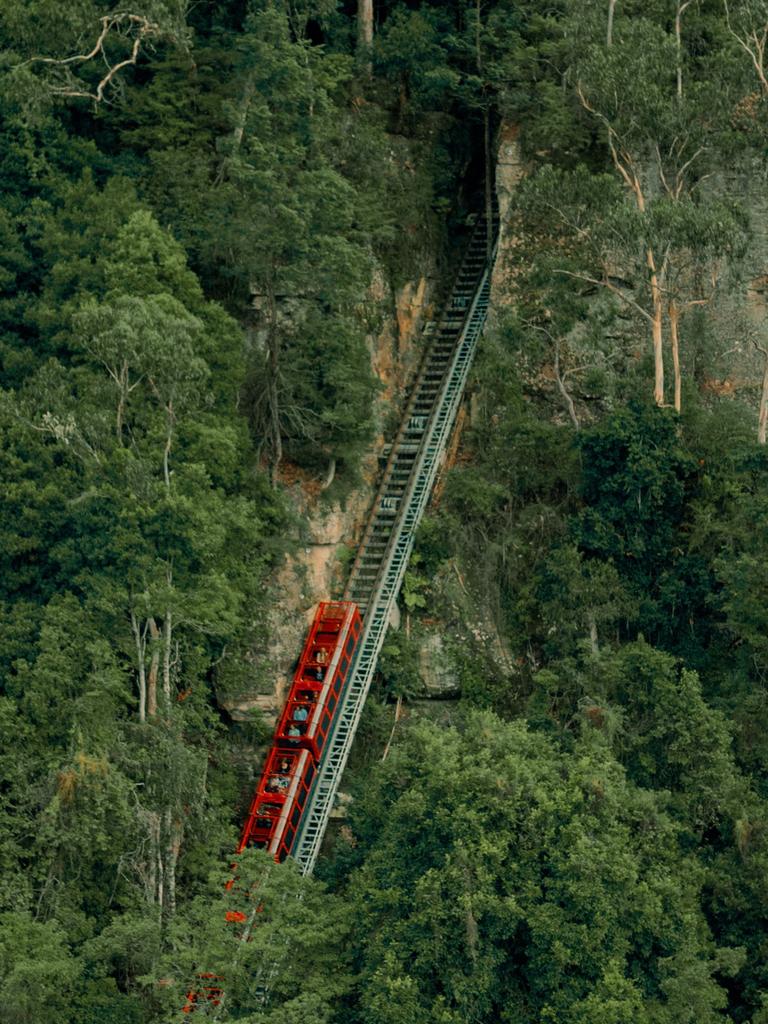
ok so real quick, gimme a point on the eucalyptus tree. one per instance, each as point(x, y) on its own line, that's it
point(531, 886)
point(161, 547)
point(661, 140)
point(87, 54)
point(747, 22)
point(286, 235)
point(286, 959)
point(658, 239)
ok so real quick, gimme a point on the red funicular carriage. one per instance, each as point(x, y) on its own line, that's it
point(303, 729)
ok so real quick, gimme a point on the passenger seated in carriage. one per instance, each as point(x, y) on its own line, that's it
point(277, 783)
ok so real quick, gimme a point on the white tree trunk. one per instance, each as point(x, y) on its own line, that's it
point(365, 23)
point(365, 32)
point(154, 632)
point(609, 32)
point(657, 333)
point(167, 639)
point(140, 638)
point(762, 419)
point(674, 320)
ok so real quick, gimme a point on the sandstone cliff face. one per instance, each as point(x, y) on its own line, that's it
point(314, 570)
point(510, 170)
point(740, 365)
point(463, 625)
point(330, 528)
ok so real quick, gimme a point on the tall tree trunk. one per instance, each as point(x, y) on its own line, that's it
point(682, 6)
point(157, 870)
point(487, 161)
point(679, 45)
point(563, 390)
point(674, 320)
point(168, 443)
point(593, 642)
point(609, 31)
point(657, 332)
point(172, 842)
point(242, 115)
point(152, 680)
point(121, 400)
point(398, 709)
point(150, 881)
point(167, 639)
point(762, 419)
point(365, 31)
point(632, 179)
point(140, 637)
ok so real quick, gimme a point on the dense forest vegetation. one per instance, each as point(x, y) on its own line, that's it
point(195, 200)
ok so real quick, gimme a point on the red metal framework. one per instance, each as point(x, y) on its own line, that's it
point(278, 802)
point(302, 729)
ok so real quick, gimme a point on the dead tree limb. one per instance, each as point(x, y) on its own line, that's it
point(119, 23)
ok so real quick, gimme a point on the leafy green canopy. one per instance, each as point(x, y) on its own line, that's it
point(504, 880)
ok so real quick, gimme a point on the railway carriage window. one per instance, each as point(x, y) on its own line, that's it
point(331, 703)
point(310, 775)
point(295, 817)
point(350, 646)
point(344, 664)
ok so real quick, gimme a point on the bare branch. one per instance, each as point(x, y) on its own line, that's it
point(684, 168)
point(621, 160)
point(563, 390)
point(145, 29)
point(753, 42)
point(611, 288)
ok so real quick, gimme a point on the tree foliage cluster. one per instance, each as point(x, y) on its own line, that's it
point(604, 524)
point(191, 213)
point(195, 196)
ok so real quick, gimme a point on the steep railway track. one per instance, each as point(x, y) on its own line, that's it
point(412, 464)
point(413, 461)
